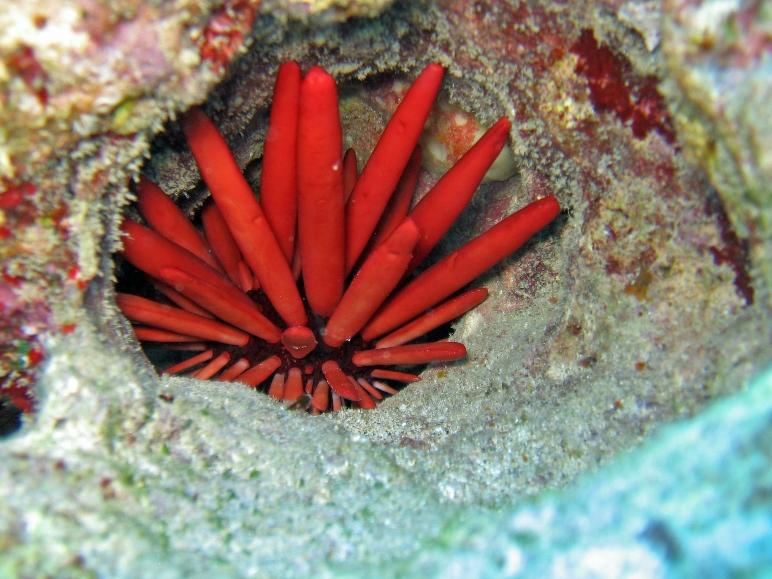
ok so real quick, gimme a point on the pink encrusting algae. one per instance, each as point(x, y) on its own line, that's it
point(355, 320)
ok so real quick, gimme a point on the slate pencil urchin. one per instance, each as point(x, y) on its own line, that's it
point(307, 286)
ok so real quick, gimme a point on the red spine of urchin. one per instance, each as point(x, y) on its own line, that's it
point(258, 373)
point(411, 354)
point(251, 321)
point(387, 162)
point(213, 367)
point(372, 284)
point(320, 192)
point(190, 362)
point(321, 398)
point(399, 205)
point(146, 334)
point(293, 387)
point(278, 181)
point(462, 266)
point(364, 398)
point(395, 375)
point(338, 380)
point(434, 318)
point(139, 309)
point(180, 300)
point(441, 206)
point(219, 237)
point(167, 219)
point(155, 255)
point(234, 370)
point(244, 217)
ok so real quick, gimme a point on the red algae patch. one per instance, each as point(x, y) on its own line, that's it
point(615, 87)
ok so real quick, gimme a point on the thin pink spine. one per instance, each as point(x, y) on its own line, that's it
point(394, 375)
point(139, 309)
point(369, 388)
point(147, 334)
point(384, 387)
point(321, 398)
point(293, 387)
point(258, 373)
point(276, 389)
point(220, 239)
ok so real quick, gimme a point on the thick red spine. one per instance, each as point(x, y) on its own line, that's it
point(462, 266)
point(350, 174)
point(372, 284)
point(235, 369)
point(388, 161)
point(434, 318)
point(244, 217)
point(412, 354)
point(278, 182)
point(150, 252)
point(299, 341)
point(338, 380)
point(441, 206)
point(156, 256)
point(153, 253)
point(139, 309)
point(320, 192)
point(213, 367)
point(219, 237)
point(258, 373)
point(167, 219)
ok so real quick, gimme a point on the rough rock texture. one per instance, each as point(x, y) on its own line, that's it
point(718, 56)
point(648, 299)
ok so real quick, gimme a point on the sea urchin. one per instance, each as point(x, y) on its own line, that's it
point(331, 338)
